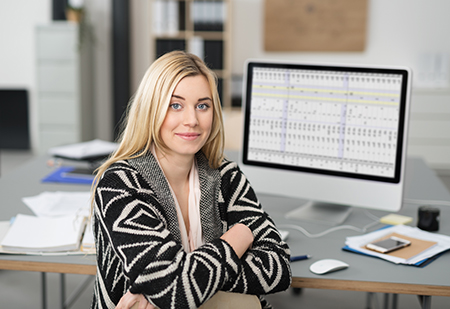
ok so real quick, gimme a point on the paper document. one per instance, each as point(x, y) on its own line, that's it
point(59, 203)
point(442, 243)
point(88, 242)
point(44, 234)
point(86, 150)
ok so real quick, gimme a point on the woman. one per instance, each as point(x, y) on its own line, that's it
point(175, 222)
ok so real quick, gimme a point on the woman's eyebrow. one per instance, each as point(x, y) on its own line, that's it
point(205, 99)
point(178, 97)
point(199, 100)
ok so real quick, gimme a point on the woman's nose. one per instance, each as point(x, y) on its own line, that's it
point(190, 117)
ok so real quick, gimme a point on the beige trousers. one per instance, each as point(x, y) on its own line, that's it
point(225, 300)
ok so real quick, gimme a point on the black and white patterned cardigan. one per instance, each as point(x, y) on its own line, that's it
point(138, 240)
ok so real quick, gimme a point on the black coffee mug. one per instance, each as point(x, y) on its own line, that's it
point(428, 218)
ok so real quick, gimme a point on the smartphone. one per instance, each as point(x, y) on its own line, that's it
point(388, 245)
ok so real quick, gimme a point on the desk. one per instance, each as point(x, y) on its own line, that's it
point(364, 274)
point(367, 273)
point(26, 181)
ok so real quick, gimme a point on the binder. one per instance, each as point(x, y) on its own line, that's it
point(208, 15)
point(214, 54)
point(166, 45)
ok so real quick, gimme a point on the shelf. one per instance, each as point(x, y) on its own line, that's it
point(214, 46)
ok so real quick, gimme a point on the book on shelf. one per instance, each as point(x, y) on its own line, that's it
point(197, 46)
point(31, 234)
point(168, 17)
point(208, 15)
point(213, 51)
point(166, 45)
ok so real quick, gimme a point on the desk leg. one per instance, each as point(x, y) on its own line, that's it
point(44, 290)
point(394, 301)
point(370, 295)
point(63, 290)
point(386, 301)
point(425, 301)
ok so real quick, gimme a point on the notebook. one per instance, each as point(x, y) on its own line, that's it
point(44, 234)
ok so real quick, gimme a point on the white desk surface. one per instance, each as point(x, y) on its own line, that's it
point(368, 273)
point(364, 274)
point(26, 181)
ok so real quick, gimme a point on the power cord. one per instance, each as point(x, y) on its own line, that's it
point(333, 229)
point(364, 229)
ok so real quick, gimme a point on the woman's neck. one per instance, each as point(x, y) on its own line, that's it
point(176, 168)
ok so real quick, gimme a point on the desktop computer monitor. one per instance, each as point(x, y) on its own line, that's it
point(334, 135)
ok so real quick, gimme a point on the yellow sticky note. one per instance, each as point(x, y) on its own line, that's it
point(394, 219)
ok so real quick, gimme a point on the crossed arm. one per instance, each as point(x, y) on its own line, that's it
point(240, 239)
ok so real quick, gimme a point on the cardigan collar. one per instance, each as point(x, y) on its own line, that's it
point(212, 227)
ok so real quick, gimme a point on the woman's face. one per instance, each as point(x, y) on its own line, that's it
point(188, 121)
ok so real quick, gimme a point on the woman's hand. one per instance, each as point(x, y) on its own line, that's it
point(134, 301)
point(240, 237)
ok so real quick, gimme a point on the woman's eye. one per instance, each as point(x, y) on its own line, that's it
point(203, 106)
point(175, 106)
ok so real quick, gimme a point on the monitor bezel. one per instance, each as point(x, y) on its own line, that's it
point(404, 72)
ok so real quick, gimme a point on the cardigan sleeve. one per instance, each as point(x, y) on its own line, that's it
point(131, 228)
point(265, 267)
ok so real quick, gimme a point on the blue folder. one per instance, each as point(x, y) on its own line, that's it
point(63, 175)
point(422, 263)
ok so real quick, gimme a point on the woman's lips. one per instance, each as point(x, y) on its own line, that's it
point(188, 136)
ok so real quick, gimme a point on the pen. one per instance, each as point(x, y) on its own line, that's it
point(300, 257)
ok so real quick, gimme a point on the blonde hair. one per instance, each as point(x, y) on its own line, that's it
point(147, 110)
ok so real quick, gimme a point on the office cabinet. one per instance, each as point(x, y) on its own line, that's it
point(202, 27)
point(64, 85)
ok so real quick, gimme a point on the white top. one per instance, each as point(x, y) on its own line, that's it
point(193, 238)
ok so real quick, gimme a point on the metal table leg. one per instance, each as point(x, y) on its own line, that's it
point(425, 301)
point(44, 290)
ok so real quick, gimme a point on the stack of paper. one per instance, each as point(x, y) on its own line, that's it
point(59, 203)
point(424, 245)
point(84, 151)
point(88, 242)
point(29, 234)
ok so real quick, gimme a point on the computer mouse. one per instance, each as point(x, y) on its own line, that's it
point(326, 266)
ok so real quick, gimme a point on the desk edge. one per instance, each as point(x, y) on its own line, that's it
point(368, 286)
point(48, 267)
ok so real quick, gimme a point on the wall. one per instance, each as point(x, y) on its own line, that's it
point(17, 68)
point(401, 32)
point(17, 55)
point(398, 32)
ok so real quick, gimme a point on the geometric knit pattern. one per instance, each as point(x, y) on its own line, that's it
point(138, 240)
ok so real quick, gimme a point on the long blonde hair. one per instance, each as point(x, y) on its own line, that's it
point(147, 110)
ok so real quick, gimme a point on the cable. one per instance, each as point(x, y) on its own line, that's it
point(364, 229)
point(333, 229)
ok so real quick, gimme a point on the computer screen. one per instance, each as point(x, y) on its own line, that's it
point(333, 134)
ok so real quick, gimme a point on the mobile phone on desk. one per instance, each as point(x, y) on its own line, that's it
point(388, 245)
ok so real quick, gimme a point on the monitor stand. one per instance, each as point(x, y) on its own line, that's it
point(328, 213)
